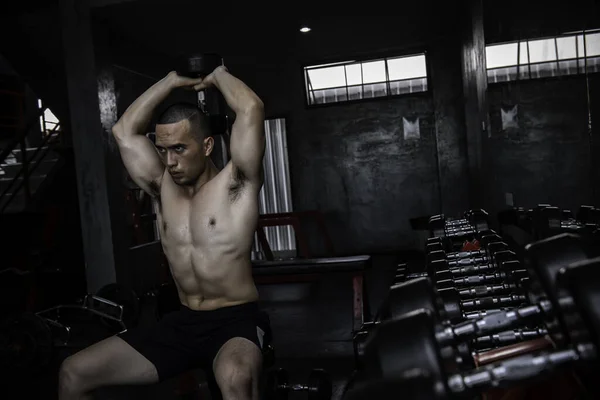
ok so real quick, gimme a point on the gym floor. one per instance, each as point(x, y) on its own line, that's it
point(311, 324)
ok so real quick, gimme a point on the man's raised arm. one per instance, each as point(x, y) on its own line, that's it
point(247, 144)
point(137, 151)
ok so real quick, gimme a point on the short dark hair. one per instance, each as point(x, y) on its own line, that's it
point(199, 121)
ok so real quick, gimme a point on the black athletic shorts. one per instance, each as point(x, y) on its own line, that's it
point(187, 339)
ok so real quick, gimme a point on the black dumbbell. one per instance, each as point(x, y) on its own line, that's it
point(436, 258)
point(439, 230)
point(437, 250)
point(446, 244)
point(210, 100)
point(278, 385)
point(199, 65)
point(401, 348)
point(510, 273)
point(497, 253)
point(458, 309)
point(476, 221)
point(502, 260)
point(545, 258)
point(471, 217)
point(507, 338)
point(449, 222)
point(489, 290)
point(407, 297)
point(421, 293)
point(506, 271)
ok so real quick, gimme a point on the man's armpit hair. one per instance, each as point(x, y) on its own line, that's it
point(154, 188)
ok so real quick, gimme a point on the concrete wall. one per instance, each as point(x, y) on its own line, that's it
point(354, 164)
point(351, 161)
point(543, 154)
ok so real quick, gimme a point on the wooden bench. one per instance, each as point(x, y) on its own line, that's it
point(312, 269)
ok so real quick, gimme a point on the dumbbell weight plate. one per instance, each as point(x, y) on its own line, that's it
point(319, 385)
point(26, 345)
point(277, 386)
point(406, 344)
point(409, 296)
point(199, 65)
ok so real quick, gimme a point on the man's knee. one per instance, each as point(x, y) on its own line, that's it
point(237, 381)
point(71, 376)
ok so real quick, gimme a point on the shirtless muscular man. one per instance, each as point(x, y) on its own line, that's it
point(207, 220)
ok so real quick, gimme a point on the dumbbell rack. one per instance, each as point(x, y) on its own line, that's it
point(492, 347)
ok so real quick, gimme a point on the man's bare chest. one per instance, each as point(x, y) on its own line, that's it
point(193, 221)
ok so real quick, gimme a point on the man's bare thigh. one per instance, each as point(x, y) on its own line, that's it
point(112, 362)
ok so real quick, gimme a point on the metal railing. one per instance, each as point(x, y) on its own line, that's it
point(29, 164)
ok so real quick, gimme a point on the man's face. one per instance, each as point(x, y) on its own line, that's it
point(181, 152)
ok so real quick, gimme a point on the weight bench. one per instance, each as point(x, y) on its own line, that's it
point(309, 270)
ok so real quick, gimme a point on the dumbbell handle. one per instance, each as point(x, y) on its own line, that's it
point(493, 301)
point(471, 280)
point(508, 337)
point(298, 387)
point(492, 323)
point(486, 290)
point(470, 270)
point(459, 228)
point(494, 261)
point(460, 233)
point(480, 313)
point(486, 278)
point(465, 254)
point(465, 261)
point(517, 369)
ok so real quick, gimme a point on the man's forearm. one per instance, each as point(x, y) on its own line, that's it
point(137, 116)
point(237, 94)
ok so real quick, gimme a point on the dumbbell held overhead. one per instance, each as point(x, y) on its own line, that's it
point(199, 65)
point(210, 101)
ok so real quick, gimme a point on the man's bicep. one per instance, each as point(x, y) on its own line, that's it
point(142, 162)
point(247, 145)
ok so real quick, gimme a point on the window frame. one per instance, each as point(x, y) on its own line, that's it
point(364, 58)
point(581, 61)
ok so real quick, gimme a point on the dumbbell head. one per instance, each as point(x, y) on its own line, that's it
point(545, 259)
point(451, 300)
point(409, 296)
point(199, 65)
point(581, 282)
point(406, 344)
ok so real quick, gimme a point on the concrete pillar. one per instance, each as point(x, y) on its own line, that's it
point(475, 104)
point(116, 175)
point(446, 84)
point(89, 143)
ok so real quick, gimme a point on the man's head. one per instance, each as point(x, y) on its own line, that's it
point(184, 142)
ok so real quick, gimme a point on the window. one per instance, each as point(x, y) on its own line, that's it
point(351, 80)
point(527, 59)
point(48, 121)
